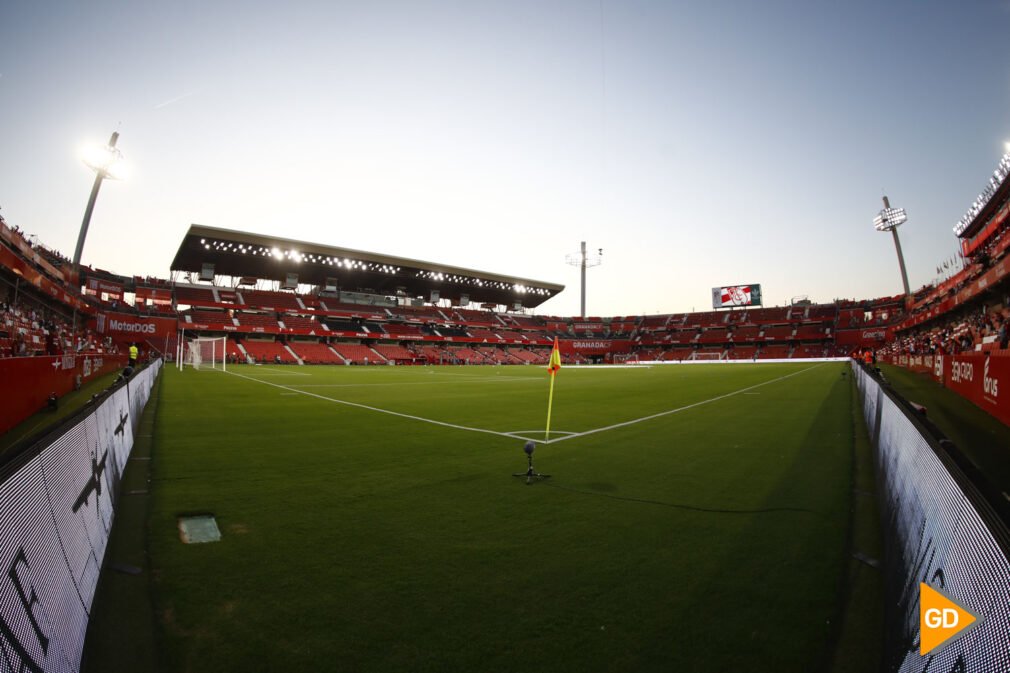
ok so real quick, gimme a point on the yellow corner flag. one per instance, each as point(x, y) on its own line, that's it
point(553, 366)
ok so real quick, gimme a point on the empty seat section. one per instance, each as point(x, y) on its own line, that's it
point(684, 336)
point(300, 322)
point(394, 352)
point(271, 300)
point(524, 355)
point(313, 352)
point(433, 354)
point(468, 356)
point(743, 334)
point(194, 296)
point(526, 321)
point(210, 317)
point(742, 352)
point(358, 354)
point(403, 330)
point(711, 336)
point(483, 334)
point(257, 320)
point(777, 333)
point(767, 352)
point(810, 332)
point(267, 351)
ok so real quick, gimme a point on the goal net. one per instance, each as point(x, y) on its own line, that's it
point(707, 355)
point(206, 353)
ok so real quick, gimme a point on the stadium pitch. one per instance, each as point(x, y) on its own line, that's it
point(697, 518)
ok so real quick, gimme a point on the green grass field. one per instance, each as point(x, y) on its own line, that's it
point(697, 518)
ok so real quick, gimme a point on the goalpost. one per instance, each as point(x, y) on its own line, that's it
point(205, 353)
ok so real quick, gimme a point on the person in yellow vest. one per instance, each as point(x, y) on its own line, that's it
point(134, 352)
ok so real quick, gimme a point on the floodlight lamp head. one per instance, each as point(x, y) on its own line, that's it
point(105, 160)
point(889, 218)
point(529, 448)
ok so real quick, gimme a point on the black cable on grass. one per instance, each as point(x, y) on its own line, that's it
point(554, 484)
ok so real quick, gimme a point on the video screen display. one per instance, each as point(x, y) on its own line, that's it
point(736, 295)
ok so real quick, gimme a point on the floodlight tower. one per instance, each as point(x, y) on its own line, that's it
point(582, 260)
point(103, 161)
point(888, 219)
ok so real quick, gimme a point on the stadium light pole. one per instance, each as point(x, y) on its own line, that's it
point(583, 261)
point(103, 161)
point(889, 219)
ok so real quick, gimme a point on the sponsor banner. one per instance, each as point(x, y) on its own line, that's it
point(974, 376)
point(129, 327)
point(35, 378)
point(870, 337)
point(159, 295)
point(977, 376)
point(56, 511)
point(934, 533)
point(99, 286)
point(218, 327)
point(594, 346)
point(736, 295)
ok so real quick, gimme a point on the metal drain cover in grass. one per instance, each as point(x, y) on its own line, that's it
point(197, 529)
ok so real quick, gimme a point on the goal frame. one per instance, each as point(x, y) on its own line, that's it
point(205, 353)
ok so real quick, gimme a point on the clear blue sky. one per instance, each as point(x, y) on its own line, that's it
point(697, 143)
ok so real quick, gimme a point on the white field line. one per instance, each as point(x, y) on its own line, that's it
point(491, 379)
point(483, 377)
point(678, 409)
point(280, 372)
point(515, 435)
point(381, 411)
point(603, 368)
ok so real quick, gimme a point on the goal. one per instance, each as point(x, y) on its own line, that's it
point(712, 356)
point(206, 353)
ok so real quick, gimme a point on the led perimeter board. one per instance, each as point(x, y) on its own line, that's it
point(57, 505)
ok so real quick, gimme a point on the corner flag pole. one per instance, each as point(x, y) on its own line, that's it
point(553, 367)
point(550, 403)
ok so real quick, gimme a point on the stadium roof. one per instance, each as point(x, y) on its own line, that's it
point(989, 202)
point(237, 254)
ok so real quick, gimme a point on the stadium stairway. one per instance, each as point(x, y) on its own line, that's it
point(293, 354)
point(241, 349)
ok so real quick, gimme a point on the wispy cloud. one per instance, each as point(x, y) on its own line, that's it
point(176, 99)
